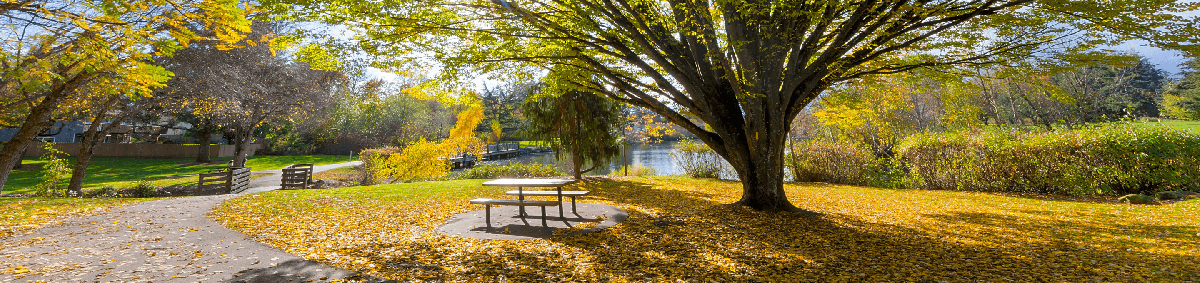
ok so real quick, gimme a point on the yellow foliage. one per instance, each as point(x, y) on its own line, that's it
point(426, 160)
point(467, 121)
point(874, 108)
point(497, 130)
point(678, 230)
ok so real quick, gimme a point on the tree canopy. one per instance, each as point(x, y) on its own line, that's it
point(62, 57)
point(743, 69)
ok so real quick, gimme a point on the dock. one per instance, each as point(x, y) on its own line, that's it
point(492, 152)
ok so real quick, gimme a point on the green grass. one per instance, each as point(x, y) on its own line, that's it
point(681, 229)
point(533, 144)
point(1193, 126)
point(23, 214)
point(121, 172)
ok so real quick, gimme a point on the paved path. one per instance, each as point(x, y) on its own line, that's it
point(271, 183)
point(168, 240)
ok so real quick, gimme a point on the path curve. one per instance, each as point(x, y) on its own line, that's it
point(168, 240)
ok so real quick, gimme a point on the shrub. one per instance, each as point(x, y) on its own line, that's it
point(55, 174)
point(420, 160)
point(841, 163)
point(144, 189)
point(1114, 159)
point(511, 170)
point(635, 170)
point(372, 160)
point(697, 160)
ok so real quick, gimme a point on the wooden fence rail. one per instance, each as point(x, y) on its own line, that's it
point(297, 176)
point(230, 180)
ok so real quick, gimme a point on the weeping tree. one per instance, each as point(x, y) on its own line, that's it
point(742, 69)
point(582, 124)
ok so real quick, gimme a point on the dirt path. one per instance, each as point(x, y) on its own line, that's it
point(168, 240)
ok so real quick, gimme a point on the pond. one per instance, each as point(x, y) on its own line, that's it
point(656, 156)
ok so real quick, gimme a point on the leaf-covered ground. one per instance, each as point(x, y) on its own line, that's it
point(19, 215)
point(679, 229)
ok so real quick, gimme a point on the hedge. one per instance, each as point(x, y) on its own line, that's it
point(1109, 159)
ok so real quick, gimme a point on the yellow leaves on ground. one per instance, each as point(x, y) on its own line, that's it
point(22, 214)
point(680, 228)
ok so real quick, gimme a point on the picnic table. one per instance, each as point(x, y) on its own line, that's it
point(521, 184)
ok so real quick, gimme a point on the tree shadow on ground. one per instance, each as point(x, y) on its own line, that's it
point(678, 233)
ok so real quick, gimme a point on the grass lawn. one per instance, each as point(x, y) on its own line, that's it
point(23, 214)
point(122, 172)
point(1193, 126)
point(679, 229)
point(533, 143)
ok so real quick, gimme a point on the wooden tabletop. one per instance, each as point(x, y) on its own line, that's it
point(529, 182)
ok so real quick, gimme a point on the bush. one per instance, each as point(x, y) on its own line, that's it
point(1112, 159)
point(55, 174)
point(511, 170)
point(427, 160)
point(372, 160)
point(144, 189)
point(841, 163)
point(635, 170)
point(697, 160)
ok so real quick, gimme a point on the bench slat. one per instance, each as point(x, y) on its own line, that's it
point(547, 193)
point(514, 202)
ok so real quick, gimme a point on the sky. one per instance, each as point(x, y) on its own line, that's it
point(1166, 60)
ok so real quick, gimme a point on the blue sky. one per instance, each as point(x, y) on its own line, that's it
point(1166, 60)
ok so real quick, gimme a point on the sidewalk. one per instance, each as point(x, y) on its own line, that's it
point(271, 183)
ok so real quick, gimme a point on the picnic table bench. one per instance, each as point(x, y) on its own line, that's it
point(573, 194)
point(521, 193)
point(487, 202)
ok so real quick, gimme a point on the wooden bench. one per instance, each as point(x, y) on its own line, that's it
point(571, 194)
point(296, 176)
point(487, 202)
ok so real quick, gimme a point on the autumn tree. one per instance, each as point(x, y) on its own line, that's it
point(582, 124)
point(242, 88)
point(743, 68)
point(55, 51)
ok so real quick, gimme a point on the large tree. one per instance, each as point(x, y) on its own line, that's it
point(57, 52)
point(242, 88)
point(743, 68)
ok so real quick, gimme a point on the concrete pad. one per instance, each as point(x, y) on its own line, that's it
point(507, 225)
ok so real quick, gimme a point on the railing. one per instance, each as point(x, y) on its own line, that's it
point(502, 147)
point(297, 176)
point(231, 180)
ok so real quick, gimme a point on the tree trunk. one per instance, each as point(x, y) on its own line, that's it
point(577, 161)
point(759, 165)
point(37, 121)
point(205, 142)
point(86, 149)
point(243, 137)
point(20, 161)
